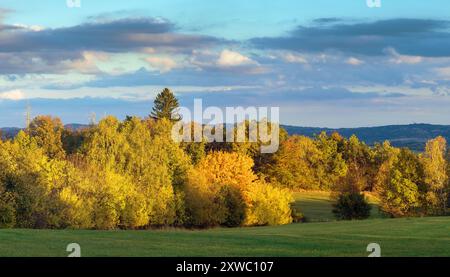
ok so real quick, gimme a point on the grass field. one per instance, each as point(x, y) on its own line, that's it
point(317, 206)
point(397, 237)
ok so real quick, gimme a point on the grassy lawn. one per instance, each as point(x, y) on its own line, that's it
point(397, 237)
point(316, 206)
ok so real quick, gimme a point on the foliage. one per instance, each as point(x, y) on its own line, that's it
point(302, 163)
point(223, 190)
point(130, 174)
point(398, 182)
point(165, 106)
point(436, 178)
point(352, 205)
point(47, 132)
point(267, 205)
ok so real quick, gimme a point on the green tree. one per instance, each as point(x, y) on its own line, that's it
point(165, 106)
point(399, 181)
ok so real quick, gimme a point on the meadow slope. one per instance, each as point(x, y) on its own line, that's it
point(322, 237)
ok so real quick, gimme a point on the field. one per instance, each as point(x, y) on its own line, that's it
point(322, 237)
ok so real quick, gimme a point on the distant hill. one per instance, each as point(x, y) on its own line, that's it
point(10, 132)
point(413, 136)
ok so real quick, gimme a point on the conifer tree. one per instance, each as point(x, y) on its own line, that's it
point(165, 106)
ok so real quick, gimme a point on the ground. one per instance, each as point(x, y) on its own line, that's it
point(323, 236)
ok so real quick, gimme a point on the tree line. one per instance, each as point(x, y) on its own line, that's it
point(131, 174)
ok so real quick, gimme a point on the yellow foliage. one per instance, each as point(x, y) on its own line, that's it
point(220, 181)
point(267, 205)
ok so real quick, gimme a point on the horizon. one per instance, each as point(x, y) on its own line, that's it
point(281, 124)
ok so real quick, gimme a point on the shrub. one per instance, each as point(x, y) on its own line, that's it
point(297, 216)
point(267, 205)
point(351, 206)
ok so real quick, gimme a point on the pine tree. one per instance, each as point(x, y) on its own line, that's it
point(165, 106)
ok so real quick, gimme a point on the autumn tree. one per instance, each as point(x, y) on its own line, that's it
point(304, 163)
point(436, 178)
point(398, 182)
point(165, 106)
point(47, 132)
point(223, 190)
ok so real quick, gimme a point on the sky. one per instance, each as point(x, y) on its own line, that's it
point(324, 63)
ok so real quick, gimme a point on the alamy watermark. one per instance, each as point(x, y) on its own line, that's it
point(250, 124)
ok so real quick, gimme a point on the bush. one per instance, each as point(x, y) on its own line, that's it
point(267, 205)
point(297, 216)
point(351, 206)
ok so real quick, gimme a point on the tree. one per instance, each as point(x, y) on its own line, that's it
point(351, 205)
point(398, 182)
point(47, 132)
point(436, 179)
point(267, 205)
point(304, 163)
point(295, 162)
point(360, 161)
point(222, 189)
point(165, 106)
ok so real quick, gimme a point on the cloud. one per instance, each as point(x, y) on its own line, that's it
point(109, 36)
point(229, 58)
point(163, 64)
point(398, 59)
point(443, 72)
point(52, 50)
point(35, 28)
point(12, 95)
point(294, 58)
point(412, 37)
point(354, 61)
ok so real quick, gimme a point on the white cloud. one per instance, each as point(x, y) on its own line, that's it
point(229, 58)
point(443, 72)
point(16, 94)
point(292, 58)
point(354, 61)
point(399, 59)
point(35, 28)
point(163, 64)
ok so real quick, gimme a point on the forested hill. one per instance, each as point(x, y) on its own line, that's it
point(413, 136)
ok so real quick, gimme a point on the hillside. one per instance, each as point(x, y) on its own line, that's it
point(413, 136)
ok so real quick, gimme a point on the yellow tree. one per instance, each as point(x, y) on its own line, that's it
point(47, 132)
point(435, 171)
point(223, 190)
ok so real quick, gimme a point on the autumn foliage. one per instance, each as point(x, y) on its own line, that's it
point(131, 174)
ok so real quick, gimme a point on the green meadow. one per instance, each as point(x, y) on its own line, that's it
point(320, 236)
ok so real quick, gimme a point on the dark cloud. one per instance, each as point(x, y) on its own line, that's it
point(111, 36)
point(23, 50)
point(422, 37)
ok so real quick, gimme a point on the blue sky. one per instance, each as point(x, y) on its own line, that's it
point(324, 63)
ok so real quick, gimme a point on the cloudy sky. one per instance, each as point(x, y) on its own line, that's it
point(325, 63)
